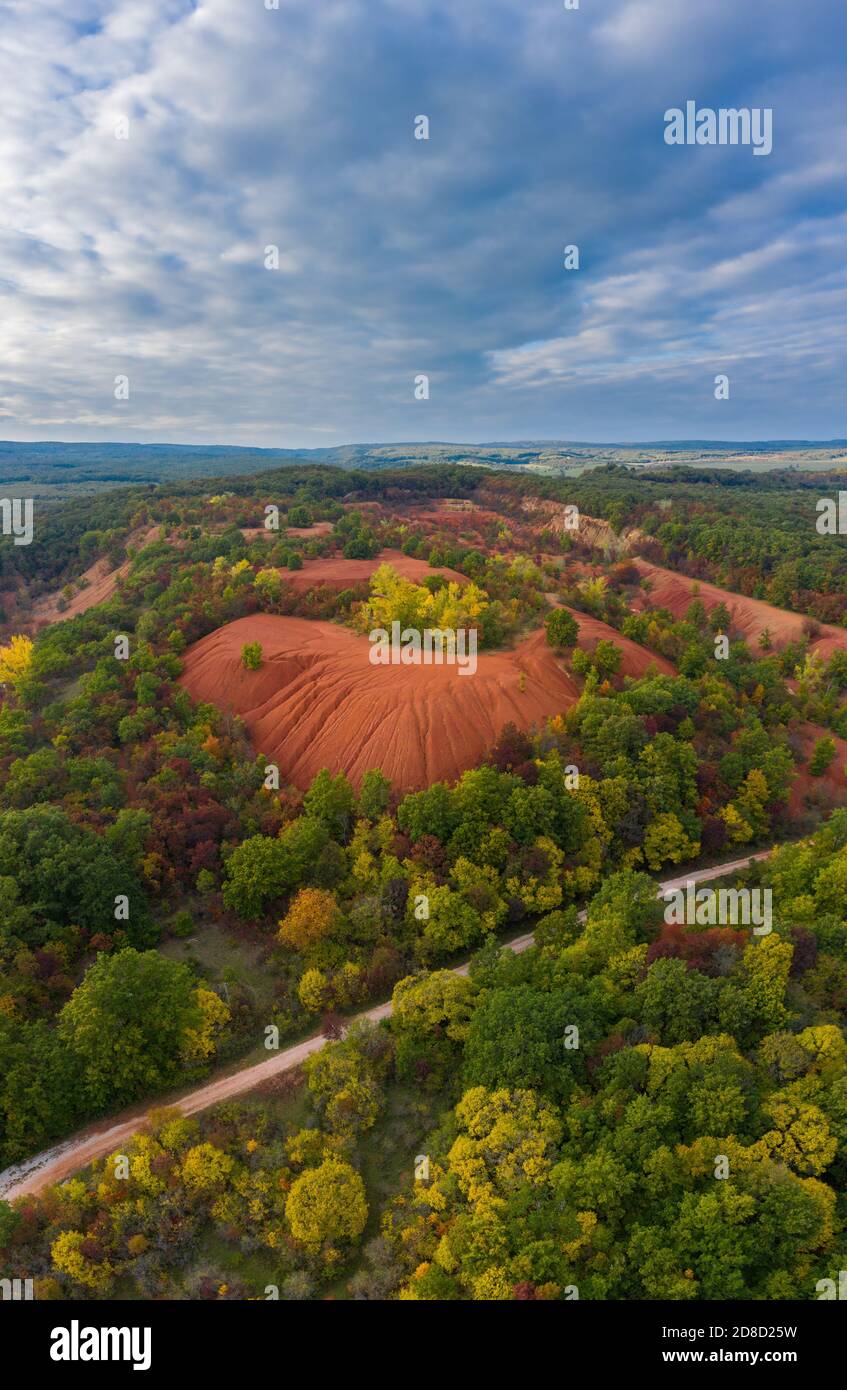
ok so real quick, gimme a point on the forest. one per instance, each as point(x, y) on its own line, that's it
point(628, 1109)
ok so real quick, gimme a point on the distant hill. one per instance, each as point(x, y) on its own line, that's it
point(54, 470)
point(66, 469)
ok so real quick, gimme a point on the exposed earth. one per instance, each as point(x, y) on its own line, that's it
point(317, 701)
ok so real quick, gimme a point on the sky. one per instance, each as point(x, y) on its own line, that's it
point(151, 150)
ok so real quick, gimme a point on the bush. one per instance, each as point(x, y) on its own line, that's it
point(822, 756)
point(182, 924)
point(562, 628)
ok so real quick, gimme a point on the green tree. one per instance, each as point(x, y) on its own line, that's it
point(676, 1004)
point(527, 1038)
point(69, 875)
point(719, 620)
point(431, 1016)
point(39, 1088)
point(330, 800)
point(822, 757)
point(562, 628)
point(126, 1024)
point(374, 794)
point(251, 655)
point(261, 869)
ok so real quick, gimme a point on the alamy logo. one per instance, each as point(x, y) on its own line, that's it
point(16, 1290)
point(832, 516)
point(431, 646)
point(16, 515)
point(724, 907)
point(726, 126)
point(829, 1291)
point(77, 1343)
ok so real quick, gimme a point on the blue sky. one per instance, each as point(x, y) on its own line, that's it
point(251, 127)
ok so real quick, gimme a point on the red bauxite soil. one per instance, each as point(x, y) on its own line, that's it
point(309, 533)
point(338, 573)
point(102, 583)
point(318, 702)
point(750, 616)
point(830, 789)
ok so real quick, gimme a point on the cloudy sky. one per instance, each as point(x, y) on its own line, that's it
point(251, 127)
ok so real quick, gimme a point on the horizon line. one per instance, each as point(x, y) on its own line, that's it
point(525, 441)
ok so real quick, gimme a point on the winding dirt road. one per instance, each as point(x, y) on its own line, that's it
point(61, 1161)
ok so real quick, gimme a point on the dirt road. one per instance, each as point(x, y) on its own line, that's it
point(61, 1161)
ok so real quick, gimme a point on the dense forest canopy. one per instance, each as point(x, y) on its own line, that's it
point(168, 900)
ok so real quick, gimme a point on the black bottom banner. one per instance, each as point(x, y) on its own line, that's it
point(86, 1340)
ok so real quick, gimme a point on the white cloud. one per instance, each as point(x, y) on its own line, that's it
point(251, 127)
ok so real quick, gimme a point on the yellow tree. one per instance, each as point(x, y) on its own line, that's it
point(799, 1136)
point(666, 839)
point(738, 829)
point(312, 916)
point(327, 1204)
point(752, 799)
point(396, 599)
point(68, 1258)
point(442, 1000)
point(207, 1168)
point(199, 1043)
point(766, 965)
point(314, 991)
point(15, 660)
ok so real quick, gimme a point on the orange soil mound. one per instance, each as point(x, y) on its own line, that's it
point(320, 528)
point(317, 701)
point(338, 573)
point(102, 583)
point(750, 616)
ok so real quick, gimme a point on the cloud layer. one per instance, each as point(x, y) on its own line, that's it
point(251, 127)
